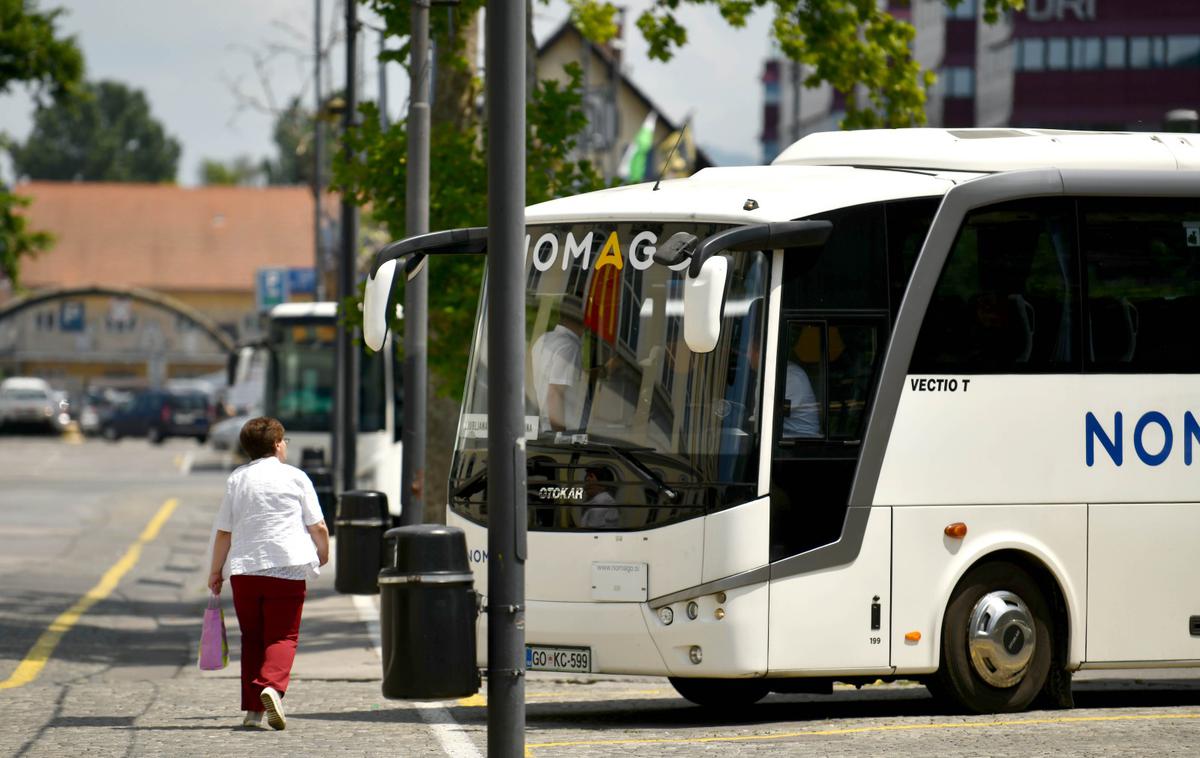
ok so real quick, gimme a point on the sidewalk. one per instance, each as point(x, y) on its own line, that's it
point(333, 704)
point(100, 695)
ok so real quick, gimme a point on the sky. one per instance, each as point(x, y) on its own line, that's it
point(192, 57)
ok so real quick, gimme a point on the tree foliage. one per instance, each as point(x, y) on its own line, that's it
point(33, 54)
point(377, 180)
point(292, 163)
point(294, 144)
point(36, 57)
point(856, 46)
point(240, 172)
point(458, 196)
point(105, 134)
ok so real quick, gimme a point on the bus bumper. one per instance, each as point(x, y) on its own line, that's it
point(631, 638)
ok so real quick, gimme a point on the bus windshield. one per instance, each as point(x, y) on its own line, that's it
point(300, 386)
point(625, 426)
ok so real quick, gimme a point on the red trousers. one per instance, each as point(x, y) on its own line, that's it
point(268, 612)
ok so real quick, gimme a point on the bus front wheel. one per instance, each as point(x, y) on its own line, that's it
point(997, 640)
point(723, 693)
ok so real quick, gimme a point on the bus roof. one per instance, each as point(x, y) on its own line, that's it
point(723, 195)
point(305, 310)
point(829, 170)
point(993, 150)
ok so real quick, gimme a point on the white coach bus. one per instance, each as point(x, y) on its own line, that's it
point(908, 404)
point(299, 391)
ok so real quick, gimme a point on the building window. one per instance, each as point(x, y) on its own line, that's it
point(1147, 52)
point(964, 12)
point(1085, 53)
point(1057, 58)
point(960, 81)
point(1183, 50)
point(1032, 56)
point(1115, 55)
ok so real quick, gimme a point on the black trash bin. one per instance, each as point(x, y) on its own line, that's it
point(362, 518)
point(427, 612)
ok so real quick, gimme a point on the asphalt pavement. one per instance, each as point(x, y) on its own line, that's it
point(102, 593)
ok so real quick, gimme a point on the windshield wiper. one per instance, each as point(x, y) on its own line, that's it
point(476, 482)
point(625, 454)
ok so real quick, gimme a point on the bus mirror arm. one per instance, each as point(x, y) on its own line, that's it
point(783, 234)
point(705, 286)
point(379, 299)
point(467, 241)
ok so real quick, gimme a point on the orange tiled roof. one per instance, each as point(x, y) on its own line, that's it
point(165, 237)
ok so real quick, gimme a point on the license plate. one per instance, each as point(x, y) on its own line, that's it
point(183, 419)
point(572, 659)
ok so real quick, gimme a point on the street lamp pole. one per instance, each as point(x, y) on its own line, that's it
point(505, 36)
point(416, 289)
point(318, 153)
point(346, 349)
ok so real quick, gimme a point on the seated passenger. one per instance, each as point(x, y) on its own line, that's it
point(596, 490)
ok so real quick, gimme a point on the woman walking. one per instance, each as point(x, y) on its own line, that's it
point(270, 529)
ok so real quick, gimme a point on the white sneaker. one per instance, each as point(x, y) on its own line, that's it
point(253, 719)
point(274, 708)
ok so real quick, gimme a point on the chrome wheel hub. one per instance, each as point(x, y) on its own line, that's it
point(1000, 637)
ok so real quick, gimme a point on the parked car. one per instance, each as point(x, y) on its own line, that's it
point(31, 401)
point(97, 404)
point(159, 414)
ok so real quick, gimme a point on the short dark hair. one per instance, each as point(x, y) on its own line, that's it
point(602, 473)
point(260, 436)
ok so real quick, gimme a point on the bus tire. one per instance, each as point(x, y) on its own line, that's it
point(722, 693)
point(986, 664)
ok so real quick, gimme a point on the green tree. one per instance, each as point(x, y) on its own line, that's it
point(293, 135)
point(36, 57)
point(854, 45)
point(458, 192)
point(240, 171)
point(107, 133)
point(458, 179)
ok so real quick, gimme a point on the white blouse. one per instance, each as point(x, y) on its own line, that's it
point(267, 507)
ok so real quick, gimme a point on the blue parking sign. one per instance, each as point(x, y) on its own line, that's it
point(271, 288)
point(302, 281)
point(71, 316)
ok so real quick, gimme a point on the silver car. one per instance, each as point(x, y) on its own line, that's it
point(31, 401)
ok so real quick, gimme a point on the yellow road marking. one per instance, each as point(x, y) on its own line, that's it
point(37, 657)
point(480, 701)
point(865, 730)
point(71, 435)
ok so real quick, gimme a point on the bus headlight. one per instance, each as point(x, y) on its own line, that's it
point(693, 610)
point(695, 654)
point(666, 615)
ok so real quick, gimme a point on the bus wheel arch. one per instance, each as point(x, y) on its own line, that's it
point(721, 693)
point(1009, 593)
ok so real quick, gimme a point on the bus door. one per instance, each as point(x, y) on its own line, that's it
point(828, 609)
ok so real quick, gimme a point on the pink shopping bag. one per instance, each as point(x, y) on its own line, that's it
point(214, 646)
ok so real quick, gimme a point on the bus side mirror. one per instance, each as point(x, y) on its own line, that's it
point(703, 301)
point(231, 367)
point(375, 305)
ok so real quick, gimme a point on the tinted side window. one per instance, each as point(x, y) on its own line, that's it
point(1007, 300)
point(1142, 258)
point(908, 223)
point(849, 271)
